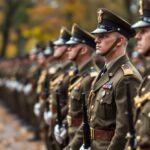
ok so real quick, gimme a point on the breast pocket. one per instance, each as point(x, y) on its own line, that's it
point(76, 103)
point(105, 104)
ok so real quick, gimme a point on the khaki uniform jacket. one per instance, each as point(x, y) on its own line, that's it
point(108, 104)
point(80, 83)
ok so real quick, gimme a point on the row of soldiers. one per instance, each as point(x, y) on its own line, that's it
point(78, 99)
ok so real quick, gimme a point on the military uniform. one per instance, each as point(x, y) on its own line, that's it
point(59, 80)
point(79, 84)
point(108, 99)
point(108, 105)
point(141, 101)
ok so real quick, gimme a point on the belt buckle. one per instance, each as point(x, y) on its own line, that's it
point(92, 133)
point(69, 120)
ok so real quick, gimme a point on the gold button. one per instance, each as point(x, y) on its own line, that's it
point(101, 101)
point(72, 97)
point(92, 106)
point(149, 114)
point(143, 89)
point(138, 138)
point(148, 77)
point(138, 121)
point(110, 74)
point(91, 119)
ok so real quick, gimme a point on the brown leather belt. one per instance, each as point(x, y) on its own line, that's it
point(54, 108)
point(74, 122)
point(104, 135)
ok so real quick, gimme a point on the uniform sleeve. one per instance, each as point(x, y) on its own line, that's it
point(118, 141)
point(77, 141)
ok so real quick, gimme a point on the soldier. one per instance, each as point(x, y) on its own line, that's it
point(107, 99)
point(59, 81)
point(142, 102)
point(81, 48)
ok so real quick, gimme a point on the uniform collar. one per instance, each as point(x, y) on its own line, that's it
point(99, 81)
point(116, 65)
point(85, 66)
point(110, 64)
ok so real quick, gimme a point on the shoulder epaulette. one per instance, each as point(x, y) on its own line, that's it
point(126, 69)
point(75, 83)
point(57, 80)
point(42, 76)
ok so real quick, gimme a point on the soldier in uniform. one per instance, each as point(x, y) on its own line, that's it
point(81, 48)
point(107, 99)
point(59, 81)
point(142, 102)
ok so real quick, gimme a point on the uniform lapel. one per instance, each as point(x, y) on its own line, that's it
point(101, 81)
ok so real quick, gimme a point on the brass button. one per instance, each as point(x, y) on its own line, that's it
point(110, 74)
point(149, 114)
point(101, 101)
point(92, 106)
point(72, 97)
point(91, 119)
point(138, 138)
point(138, 121)
point(143, 89)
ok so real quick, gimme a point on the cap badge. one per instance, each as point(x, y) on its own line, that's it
point(141, 3)
point(100, 13)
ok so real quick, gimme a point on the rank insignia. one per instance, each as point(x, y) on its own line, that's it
point(108, 85)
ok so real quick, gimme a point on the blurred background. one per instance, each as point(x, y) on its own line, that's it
point(23, 23)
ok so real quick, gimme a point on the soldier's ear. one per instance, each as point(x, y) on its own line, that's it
point(84, 50)
point(120, 41)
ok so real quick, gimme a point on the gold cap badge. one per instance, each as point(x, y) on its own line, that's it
point(141, 3)
point(100, 13)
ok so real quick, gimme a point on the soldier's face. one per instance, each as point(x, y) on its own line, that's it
point(104, 42)
point(143, 40)
point(59, 50)
point(73, 51)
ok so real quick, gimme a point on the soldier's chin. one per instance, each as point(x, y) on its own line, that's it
point(71, 58)
point(100, 53)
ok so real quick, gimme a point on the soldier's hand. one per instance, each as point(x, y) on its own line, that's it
point(82, 148)
point(27, 88)
point(48, 117)
point(36, 109)
point(60, 133)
